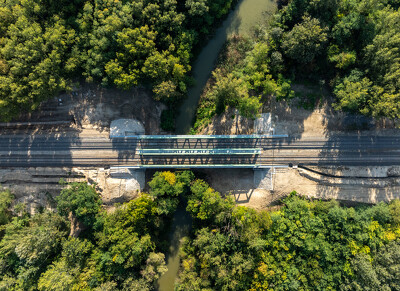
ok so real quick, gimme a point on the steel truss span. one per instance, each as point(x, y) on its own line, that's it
point(197, 152)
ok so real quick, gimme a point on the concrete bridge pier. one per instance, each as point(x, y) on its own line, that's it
point(263, 178)
point(135, 178)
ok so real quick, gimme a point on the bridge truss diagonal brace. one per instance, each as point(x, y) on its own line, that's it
point(197, 152)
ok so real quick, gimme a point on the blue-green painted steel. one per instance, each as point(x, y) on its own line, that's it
point(218, 166)
point(192, 152)
point(249, 136)
point(221, 166)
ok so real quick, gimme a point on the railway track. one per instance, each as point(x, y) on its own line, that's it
point(30, 151)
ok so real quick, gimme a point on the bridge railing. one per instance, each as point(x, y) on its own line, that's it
point(243, 136)
point(182, 151)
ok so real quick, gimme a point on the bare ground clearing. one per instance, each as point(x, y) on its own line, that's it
point(293, 119)
point(357, 184)
point(91, 109)
point(37, 187)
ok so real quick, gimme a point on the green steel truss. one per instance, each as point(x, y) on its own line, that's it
point(193, 152)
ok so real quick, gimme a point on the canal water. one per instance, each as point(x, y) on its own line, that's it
point(181, 225)
point(246, 15)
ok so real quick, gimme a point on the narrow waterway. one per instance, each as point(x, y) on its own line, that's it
point(181, 225)
point(247, 14)
point(241, 20)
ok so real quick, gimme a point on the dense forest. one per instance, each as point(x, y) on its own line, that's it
point(305, 245)
point(349, 46)
point(302, 245)
point(80, 246)
point(353, 44)
point(45, 45)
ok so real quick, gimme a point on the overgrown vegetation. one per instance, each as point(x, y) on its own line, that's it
point(305, 245)
point(247, 75)
point(44, 45)
point(354, 45)
point(120, 250)
point(168, 119)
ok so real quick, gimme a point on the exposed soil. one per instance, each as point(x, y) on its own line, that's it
point(37, 187)
point(293, 119)
point(318, 118)
point(350, 187)
point(357, 184)
point(90, 110)
point(229, 123)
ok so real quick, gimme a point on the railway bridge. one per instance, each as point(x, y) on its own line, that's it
point(199, 151)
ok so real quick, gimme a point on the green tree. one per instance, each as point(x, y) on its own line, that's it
point(354, 96)
point(35, 63)
point(380, 273)
point(305, 41)
point(81, 200)
point(205, 203)
point(166, 91)
point(136, 46)
point(125, 244)
point(394, 209)
point(166, 188)
point(231, 91)
point(28, 246)
point(58, 277)
point(383, 59)
point(5, 201)
point(197, 8)
point(155, 267)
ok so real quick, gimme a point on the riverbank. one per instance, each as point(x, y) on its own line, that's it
point(241, 21)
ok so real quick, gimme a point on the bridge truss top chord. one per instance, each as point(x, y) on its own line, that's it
point(181, 151)
point(244, 136)
point(201, 166)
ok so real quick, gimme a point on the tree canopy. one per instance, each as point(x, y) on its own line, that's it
point(301, 245)
point(81, 200)
point(351, 44)
point(305, 245)
point(45, 46)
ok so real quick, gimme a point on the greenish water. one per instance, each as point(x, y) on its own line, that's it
point(247, 14)
point(181, 225)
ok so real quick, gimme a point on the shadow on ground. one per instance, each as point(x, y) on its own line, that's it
point(22, 148)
